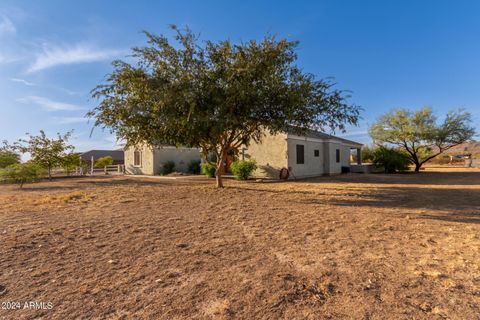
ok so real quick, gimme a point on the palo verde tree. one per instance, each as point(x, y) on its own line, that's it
point(420, 135)
point(44, 151)
point(215, 95)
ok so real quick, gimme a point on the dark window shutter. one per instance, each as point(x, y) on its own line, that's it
point(316, 153)
point(337, 154)
point(300, 154)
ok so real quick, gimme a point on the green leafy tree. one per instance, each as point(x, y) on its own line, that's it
point(8, 156)
point(70, 162)
point(420, 135)
point(390, 159)
point(47, 152)
point(103, 162)
point(22, 173)
point(216, 96)
point(367, 153)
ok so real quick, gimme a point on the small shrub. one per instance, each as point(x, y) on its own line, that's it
point(194, 167)
point(103, 162)
point(390, 159)
point(22, 173)
point(209, 170)
point(243, 169)
point(168, 167)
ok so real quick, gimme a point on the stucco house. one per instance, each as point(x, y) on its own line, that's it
point(313, 154)
point(309, 155)
point(149, 161)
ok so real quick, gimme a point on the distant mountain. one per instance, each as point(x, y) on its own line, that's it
point(470, 147)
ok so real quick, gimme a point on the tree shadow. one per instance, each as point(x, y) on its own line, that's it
point(447, 204)
point(433, 178)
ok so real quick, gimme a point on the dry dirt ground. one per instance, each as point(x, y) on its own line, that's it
point(347, 247)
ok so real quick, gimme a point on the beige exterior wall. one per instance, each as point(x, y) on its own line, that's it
point(147, 161)
point(312, 166)
point(325, 164)
point(279, 151)
point(270, 155)
point(181, 156)
point(152, 160)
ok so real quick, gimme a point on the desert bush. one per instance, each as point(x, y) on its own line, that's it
point(390, 159)
point(168, 167)
point(243, 169)
point(208, 170)
point(103, 162)
point(22, 173)
point(194, 167)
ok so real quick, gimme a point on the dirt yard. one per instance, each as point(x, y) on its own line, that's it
point(346, 247)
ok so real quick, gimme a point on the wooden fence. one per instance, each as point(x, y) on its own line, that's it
point(82, 171)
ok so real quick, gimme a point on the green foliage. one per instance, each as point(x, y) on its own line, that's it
point(209, 170)
point(8, 157)
point(215, 95)
point(367, 153)
point(168, 167)
point(194, 167)
point(70, 162)
point(420, 135)
point(243, 169)
point(390, 159)
point(46, 152)
point(21, 173)
point(103, 162)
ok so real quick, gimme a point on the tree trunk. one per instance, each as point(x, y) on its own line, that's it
point(219, 180)
point(220, 169)
point(49, 173)
point(417, 167)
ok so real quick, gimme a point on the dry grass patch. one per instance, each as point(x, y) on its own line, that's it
point(345, 247)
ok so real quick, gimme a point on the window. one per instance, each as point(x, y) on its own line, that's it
point(300, 154)
point(316, 153)
point(137, 158)
point(337, 155)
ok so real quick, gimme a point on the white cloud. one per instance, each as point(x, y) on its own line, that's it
point(80, 53)
point(23, 81)
point(4, 59)
point(6, 26)
point(70, 120)
point(354, 133)
point(49, 104)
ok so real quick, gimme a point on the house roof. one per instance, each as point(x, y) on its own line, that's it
point(117, 155)
point(324, 136)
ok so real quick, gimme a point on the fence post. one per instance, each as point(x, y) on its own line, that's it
point(105, 170)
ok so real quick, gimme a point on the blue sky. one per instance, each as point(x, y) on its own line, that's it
point(388, 53)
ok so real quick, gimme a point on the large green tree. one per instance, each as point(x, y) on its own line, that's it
point(45, 151)
point(8, 156)
point(420, 133)
point(215, 95)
